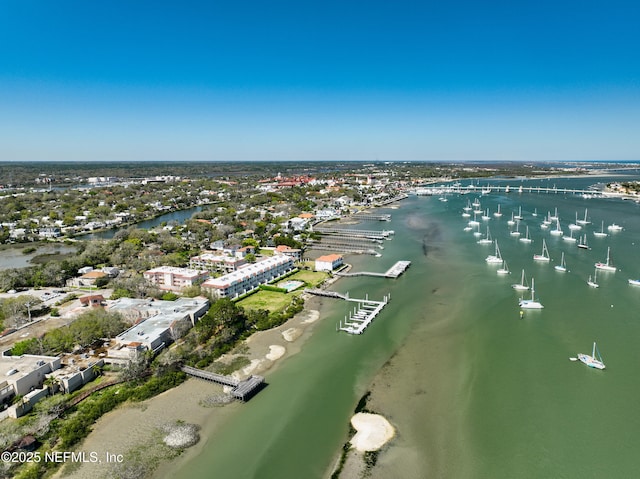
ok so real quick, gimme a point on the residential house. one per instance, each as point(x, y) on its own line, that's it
point(329, 262)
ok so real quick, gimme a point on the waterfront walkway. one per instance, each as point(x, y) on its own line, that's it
point(242, 389)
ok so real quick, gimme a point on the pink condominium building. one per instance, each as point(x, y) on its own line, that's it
point(172, 278)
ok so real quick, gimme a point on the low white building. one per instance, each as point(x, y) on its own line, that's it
point(329, 262)
point(249, 277)
point(24, 376)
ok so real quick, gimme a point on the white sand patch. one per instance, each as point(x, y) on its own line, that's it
point(248, 370)
point(314, 315)
point(291, 334)
point(275, 352)
point(374, 431)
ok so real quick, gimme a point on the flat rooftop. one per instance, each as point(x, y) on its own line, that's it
point(151, 307)
point(24, 365)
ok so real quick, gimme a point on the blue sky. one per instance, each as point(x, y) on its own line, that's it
point(343, 80)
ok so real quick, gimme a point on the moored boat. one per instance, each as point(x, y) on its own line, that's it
point(592, 360)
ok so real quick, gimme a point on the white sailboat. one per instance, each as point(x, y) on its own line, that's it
point(530, 303)
point(607, 266)
point(487, 239)
point(486, 217)
point(583, 242)
point(498, 214)
point(522, 285)
point(477, 233)
point(601, 233)
point(558, 231)
point(468, 207)
point(592, 360)
point(545, 253)
point(593, 282)
point(555, 215)
point(562, 267)
point(584, 221)
point(465, 214)
point(495, 258)
point(569, 238)
point(504, 269)
point(535, 212)
point(526, 238)
point(516, 232)
point(519, 215)
point(512, 221)
point(474, 221)
point(575, 226)
point(614, 227)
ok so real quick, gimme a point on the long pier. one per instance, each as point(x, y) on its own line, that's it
point(371, 217)
point(327, 294)
point(354, 233)
point(242, 389)
point(393, 272)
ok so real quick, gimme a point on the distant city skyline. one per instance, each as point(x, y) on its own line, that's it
point(330, 81)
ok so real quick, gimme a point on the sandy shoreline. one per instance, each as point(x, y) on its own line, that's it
point(134, 427)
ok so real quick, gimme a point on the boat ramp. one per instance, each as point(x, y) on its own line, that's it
point(242, 389)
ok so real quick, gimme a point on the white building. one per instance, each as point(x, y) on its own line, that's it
point(329, 262)
point(24, 376)
point(249, 277)
point(216, 262)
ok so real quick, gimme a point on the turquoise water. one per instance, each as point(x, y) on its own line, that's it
point(473, 390)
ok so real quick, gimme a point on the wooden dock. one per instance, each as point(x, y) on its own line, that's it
point(354, 233)
point(241, 389)
point(371, 217)
point(328, 294)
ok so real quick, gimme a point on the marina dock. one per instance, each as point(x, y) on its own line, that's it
point(242, 389)
point(362, 316)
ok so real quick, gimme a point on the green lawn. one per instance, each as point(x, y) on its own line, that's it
point(269, 300)
point(312, 278)
point(273, 301)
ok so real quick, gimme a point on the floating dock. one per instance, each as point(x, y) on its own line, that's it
point(242, 389)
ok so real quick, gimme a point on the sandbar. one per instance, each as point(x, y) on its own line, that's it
point(374, 431)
